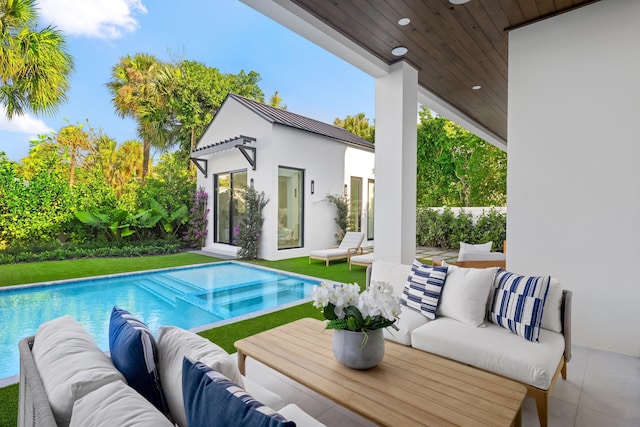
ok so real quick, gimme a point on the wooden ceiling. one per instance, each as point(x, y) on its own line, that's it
point(454, 47)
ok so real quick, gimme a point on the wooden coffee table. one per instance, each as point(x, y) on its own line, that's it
point(410, 386)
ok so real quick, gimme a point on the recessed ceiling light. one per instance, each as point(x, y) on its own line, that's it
point(399, 51)
point(404, 21)
point(458, 1)
point(476, 87)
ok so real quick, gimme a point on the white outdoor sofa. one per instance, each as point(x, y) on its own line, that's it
point(487, 346)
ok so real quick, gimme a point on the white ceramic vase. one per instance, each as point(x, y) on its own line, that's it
point(348, 348)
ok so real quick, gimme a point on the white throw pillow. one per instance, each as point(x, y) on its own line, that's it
point(116, 404)
point(465, 293)
point(70, 364)
point(466, 248)
point(176, 343)
point(552, 314)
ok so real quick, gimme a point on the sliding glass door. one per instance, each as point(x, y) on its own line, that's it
point(229, 204)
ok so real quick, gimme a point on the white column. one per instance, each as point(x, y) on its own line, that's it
point(395, 167)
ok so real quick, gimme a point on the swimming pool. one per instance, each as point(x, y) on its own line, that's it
point(187, 297)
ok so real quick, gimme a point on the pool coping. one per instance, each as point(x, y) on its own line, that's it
point(7, 381)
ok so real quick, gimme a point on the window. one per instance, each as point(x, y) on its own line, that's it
point(355, 211)
point(229, 204)
point(290, 207)
point(370, 195)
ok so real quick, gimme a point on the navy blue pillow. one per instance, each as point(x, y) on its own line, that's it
point(133, 351)
point(212, 400)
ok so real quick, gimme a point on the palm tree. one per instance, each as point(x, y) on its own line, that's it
point(34, 64)
point(140, 87)
point(74, 139)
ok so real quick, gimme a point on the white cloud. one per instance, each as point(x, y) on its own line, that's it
point(104, 19)
point(22, 124)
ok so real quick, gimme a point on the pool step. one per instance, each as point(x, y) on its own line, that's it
point(159, 290)
point(232, 302)
point(178, 284)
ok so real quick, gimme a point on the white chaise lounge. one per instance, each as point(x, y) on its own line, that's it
point(350, 245)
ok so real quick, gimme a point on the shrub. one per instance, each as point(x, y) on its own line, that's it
point(249, 230)
point(197, 221)
point(446, 229)
point(342, 215)
point(49, 252)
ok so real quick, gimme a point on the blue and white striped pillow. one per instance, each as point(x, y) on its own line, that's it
point(517, 303)
point(423, 288)
point(212, 400)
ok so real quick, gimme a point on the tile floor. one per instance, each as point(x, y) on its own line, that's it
point(602, 389)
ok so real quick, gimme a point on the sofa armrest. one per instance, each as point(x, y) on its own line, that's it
point(565, 316)
point(33, 404)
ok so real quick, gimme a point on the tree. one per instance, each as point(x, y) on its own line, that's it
point(199, 91)
point(34, 64)
point(457, 168)
point(358, 125)
point(73, 139)
point(141, 88)
point(276, 101)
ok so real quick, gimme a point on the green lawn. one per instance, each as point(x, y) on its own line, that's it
point(224, 336)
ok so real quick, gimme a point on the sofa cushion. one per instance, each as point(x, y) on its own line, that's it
point(174, 344)
point(407, 321)
point(465, 293)
point(494, 349)
point(517, 303)
point(467, 248)
point(391, 272)
point(211, 400)
point(552, 313)
point(133, 352)
point(116, 404)
point(70, 364)
point(423, 287)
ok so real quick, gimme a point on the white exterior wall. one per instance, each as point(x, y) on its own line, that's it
point(573, 174)
point(322, 159)
point(360, 163)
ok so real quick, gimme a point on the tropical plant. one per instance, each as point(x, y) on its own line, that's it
point(346, 308)
point(250, 227)
point(341, 203)
point(114, 226)
point(140, 88)
point(34, 63)
point(73, 139)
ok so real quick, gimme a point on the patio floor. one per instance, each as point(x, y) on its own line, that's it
point(601, 389)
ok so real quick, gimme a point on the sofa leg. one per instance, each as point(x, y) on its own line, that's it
point(563, 371)
point(542, 403)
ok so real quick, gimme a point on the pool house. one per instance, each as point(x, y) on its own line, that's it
point(296, 161)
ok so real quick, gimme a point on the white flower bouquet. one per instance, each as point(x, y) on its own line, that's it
point(346, 308)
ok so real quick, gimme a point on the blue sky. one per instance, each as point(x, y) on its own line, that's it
point(225, 34)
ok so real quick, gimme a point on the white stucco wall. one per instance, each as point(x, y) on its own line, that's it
point(573, 175)
point(322, 159)
point(360, 163)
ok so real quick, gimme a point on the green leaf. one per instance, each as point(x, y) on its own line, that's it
point(329, 312)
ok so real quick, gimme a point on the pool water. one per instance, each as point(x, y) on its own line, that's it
point(185, 297)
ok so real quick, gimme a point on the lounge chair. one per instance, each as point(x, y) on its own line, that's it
point(350, 245)
point(365, 260)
